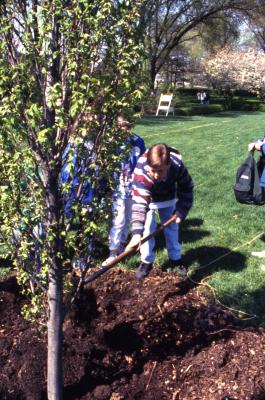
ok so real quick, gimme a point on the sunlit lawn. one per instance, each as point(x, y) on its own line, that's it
point(218, 229)
point(219, 234)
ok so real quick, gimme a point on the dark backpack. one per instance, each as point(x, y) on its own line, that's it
point(247, 188)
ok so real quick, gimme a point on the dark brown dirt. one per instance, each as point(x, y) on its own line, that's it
point(125, 339)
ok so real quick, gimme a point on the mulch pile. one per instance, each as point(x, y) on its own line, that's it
point(124, 339)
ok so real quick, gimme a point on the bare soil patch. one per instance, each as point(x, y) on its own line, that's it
point(125, 339)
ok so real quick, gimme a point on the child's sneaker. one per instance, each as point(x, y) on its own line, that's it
point(143, 270)
point(113, 254)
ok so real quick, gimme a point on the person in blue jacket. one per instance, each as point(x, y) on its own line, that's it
point(122, 198)
point(74, 173)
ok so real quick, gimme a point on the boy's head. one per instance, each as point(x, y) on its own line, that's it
point(158, 160)
point(123, 123)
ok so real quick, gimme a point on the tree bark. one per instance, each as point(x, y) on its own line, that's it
point(55, 291)
point(153, 73)
point(55, 339)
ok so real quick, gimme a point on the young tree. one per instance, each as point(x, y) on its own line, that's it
point(67, 70)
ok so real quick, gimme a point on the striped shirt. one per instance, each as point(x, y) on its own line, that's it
point(148, 193)
point(137, 148)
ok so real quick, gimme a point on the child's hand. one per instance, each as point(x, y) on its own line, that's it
point(178, 219)
point(251, 147)
point(254, 146)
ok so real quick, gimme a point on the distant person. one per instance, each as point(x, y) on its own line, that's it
point(207, 98)
point(259, 145)
point(161, 182)
point(198, 95)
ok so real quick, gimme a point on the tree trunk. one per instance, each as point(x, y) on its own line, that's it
point(55, 339)
point(55, 292)
point(153, 73)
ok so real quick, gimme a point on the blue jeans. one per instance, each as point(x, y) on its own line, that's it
point(171, 235)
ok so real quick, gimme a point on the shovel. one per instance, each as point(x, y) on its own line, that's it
point(131, 250)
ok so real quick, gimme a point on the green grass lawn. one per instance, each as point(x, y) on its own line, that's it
point(218, 229)
point(216, 235)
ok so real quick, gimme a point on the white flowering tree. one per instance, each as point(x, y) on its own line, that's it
point(231, 70)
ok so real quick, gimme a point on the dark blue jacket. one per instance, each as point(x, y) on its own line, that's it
point(262, 178)
point(74, 166)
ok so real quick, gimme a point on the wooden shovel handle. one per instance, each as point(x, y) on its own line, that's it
point(131, 250)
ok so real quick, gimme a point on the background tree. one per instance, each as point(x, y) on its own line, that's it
point(255, 20)
point(231, 70)
point(218, 32)
point(183, 64)
point(168, 23)
point(61, 63)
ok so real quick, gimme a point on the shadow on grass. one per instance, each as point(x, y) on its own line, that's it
point(188, 233)
point(192, 222)
point(210, 259)
point(232, 114)
point(262, 238)
point(249, 302)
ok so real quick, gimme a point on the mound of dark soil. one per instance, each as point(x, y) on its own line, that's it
point(126, 339)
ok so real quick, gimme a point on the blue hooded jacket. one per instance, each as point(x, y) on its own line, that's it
point(73, 168)
point(137, 148)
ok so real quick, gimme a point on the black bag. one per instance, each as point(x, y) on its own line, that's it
point(247, 188)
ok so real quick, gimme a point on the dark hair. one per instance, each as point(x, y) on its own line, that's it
point(158, 156)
